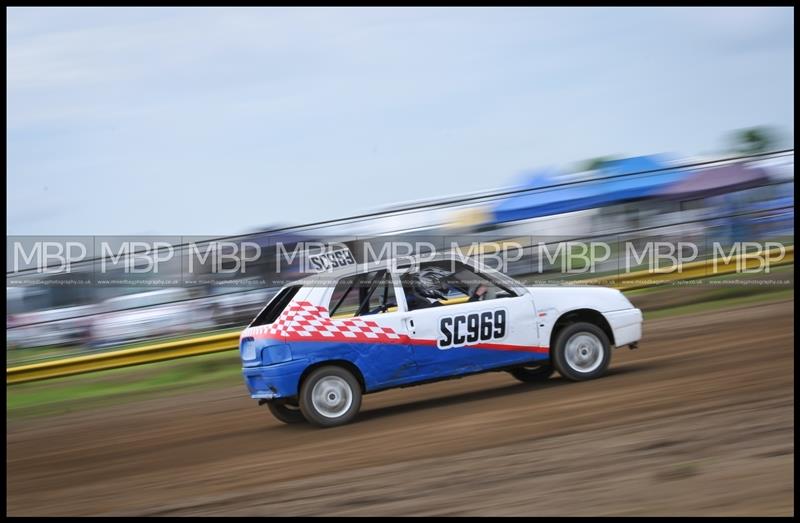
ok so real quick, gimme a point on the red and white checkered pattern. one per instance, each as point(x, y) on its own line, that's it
point(303, 320)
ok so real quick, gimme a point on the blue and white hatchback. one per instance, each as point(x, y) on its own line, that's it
point(324, 341)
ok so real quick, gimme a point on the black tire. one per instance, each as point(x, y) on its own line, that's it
point(339, 393)
point(568, 360)
point(286, 412)
point(533, 373)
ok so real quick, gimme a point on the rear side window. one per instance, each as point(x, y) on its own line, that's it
point(363, 294)
point(275, 306)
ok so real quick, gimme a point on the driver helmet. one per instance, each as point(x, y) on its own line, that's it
point(430, 282)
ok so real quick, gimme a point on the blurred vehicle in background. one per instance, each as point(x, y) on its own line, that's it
point(145, 315)
point(171, 312)
point(237, 308)
point(49, 328)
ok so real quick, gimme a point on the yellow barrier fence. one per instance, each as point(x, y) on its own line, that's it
point(123, 358)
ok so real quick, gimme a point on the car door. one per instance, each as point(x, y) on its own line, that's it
point(459, 336)
point(364, 314)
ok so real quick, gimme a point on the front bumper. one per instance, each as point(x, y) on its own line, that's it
point(280, 380)
point(626, 325)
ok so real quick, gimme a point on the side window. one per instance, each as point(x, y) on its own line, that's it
point(362, 295)
point(275, 306)
point(382, 298)
point(447, 282)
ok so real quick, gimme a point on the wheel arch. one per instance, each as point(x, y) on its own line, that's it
point(592, 316)
point(346, 364)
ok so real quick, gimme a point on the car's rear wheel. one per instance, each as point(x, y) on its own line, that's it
point(330, 396)
point(286, 411)
point(533, 373)
point(581, 352)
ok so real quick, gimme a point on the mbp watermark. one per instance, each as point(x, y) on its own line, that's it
point(763, 255)
point(223, 257)
point(255, 261)
point(661, 256)
point(137, 257)
point(48, 257)
point(574, 257)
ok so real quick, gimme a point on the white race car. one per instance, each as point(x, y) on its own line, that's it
point(325, 340)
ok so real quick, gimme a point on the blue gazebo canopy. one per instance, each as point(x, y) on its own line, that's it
point(610, 186)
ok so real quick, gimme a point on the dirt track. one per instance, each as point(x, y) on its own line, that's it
point(699, 420)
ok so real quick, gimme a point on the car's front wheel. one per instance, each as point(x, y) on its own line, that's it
point(581, 351)
point(533, 373)
point(285, 411)
point(330, 396)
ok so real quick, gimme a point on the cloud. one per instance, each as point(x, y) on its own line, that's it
point(120, 110)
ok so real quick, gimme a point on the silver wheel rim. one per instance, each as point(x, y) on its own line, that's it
point(584, 352)
point(332, 397)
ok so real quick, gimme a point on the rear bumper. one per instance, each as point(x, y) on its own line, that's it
point(626, 324)
point(280, 380)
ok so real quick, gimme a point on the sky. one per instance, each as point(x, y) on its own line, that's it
point(212, 121)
